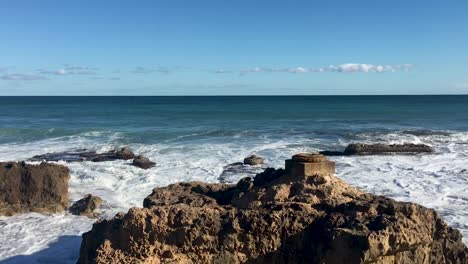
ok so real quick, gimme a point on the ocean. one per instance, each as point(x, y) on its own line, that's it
point(195, 138)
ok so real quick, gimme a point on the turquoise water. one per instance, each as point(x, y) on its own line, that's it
point(155, 119)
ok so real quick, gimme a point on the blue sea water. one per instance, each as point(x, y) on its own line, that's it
point(195, 138)
point(155, 119)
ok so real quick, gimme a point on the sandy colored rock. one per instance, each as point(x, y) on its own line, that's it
point(39, 188)
point(276, 218)
point(309, 157)
point(253, 160)
point(86, 206)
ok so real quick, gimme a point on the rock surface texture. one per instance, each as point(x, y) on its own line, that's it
point(377, 149)
point(86, 206)
point(280, 216)
point(143, 162)
point(253, 160)
point(86, 155)
point(33, 188)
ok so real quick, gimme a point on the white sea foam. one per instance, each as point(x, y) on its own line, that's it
point(439, 180)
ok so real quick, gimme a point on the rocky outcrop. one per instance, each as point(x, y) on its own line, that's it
point(376, 149)
point(143, 162)
point(234, 171)
point(33, 188)
point(86, 155)
point(253, 160)
point(296, 215)
point(86, 206)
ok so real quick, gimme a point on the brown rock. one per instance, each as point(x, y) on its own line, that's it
point(369, 149)
point(253, 160)
point(33, 188)
point(143, 162)
point(309, 157)
point(282, 218)
point(86, 155)
point(378, 149)
point(86, 205)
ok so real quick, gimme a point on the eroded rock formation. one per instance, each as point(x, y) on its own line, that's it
point(376, 149)
point(303, 214)
point(143, 162)
point(33, 188)
point(86, 206)
point(86, 155)
point(253, 160)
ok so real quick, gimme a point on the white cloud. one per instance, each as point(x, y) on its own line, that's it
point(71, 70)
point(144, 70)
point(21, 77)
point(342, 68)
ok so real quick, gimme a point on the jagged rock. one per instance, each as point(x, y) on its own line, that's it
point(86, 205)
point(143, 162)
point(234, 171)
point(39, 188)
point(253, 160)
point(375, 149)
point(86, 155)
point(285, 217)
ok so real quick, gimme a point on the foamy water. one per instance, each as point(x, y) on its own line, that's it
point(438, 180)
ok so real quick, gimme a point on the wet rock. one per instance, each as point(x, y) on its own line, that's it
point(235, 171)
point(253, 160)
point(39, 188)
point(369, 149)
point(282, 218)
point(86, 155)
point(86, 206)
point(376, 149)
point(143, 162)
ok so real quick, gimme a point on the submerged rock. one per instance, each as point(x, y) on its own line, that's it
point(33, 188)
point(143, 162)
point(253, 160)
point(282, 216)
point(376, 149)
point(86, 205)
point(86, 155)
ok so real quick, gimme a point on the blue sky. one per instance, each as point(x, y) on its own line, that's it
point(233, 47)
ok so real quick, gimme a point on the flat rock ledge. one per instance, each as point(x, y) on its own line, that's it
point(39, 188)
point(80, 155)
point(380, 149)
point(303, 214)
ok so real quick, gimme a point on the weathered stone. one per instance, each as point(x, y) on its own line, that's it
point(86, 155)
point(376, 149)
point(253, 160)
point(143, 162)
point(306, 164)
point(86, 206)
point(283, 218)
point(39, 188)
point(369, 149)
point(309, 157)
